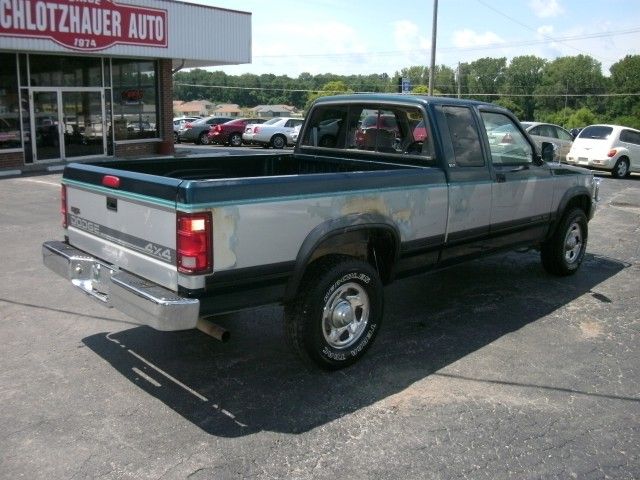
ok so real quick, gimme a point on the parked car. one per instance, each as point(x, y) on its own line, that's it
point(554, 134)
point(230, 133)
point(198, 130)
point(607, 147)
point(178, 123)
point(275, 132)
point(295, 133)
point(380, 130)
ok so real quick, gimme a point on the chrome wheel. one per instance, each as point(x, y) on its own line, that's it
point(235, 140)
point(345, 315)
point(573, 243)
point(621, 169)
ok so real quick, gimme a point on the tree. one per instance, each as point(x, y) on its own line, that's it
point(625, 79)
point(565, 77)
point(330, 88)
point(521, 77)
point(486, 76)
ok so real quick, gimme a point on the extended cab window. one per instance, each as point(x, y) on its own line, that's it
point(508, 144)
point(464, 137)
point(391, 130)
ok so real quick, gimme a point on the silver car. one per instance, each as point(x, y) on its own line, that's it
point(547, 132)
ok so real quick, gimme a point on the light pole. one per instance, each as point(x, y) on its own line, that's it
point(434, 31)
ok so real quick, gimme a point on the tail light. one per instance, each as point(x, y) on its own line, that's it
point(63, 205)
point(188, 125)
point(612, 153)
point(217, 128)
point(256, 129)
point(194, 243)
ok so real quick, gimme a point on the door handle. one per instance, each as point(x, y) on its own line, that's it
point(501, 177)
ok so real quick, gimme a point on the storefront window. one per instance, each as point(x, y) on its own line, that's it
point(9, 103)
point(57, 71)
point(134, 99)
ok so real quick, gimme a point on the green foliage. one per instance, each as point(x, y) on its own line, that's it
point(513, 106)
point(335, 87)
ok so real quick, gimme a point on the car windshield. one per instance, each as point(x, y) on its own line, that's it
point(596, 132)
point(272, 121)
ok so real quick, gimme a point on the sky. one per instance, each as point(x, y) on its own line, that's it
point(382, 36)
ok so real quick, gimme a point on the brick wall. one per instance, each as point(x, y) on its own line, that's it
point(165, 89)
point(11, 160)
point(136, 149)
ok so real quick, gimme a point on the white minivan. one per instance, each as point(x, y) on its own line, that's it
point(607, 147)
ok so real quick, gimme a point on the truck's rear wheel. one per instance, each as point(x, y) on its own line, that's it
point(563, 253)
point(337, 313)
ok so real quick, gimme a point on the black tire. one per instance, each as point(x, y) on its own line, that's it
point(278, 141)
point(235, 140)
point(563, 253)
point(203, 139)
point(337, 313)
point(621, 168)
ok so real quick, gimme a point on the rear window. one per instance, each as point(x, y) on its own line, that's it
point(596, 133)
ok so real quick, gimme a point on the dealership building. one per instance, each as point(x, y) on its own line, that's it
point(83, 79)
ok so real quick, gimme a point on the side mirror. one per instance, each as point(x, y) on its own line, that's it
point(548, 151)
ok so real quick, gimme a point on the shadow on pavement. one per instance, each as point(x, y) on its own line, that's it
point(253, 382)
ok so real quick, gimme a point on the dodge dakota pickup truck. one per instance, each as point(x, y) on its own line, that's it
point(320, 230)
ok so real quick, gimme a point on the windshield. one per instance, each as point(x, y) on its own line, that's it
point(596, 132)
point(272, 121)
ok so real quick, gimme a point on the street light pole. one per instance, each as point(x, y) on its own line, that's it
point(434, 31)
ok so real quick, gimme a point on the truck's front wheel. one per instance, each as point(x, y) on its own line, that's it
point(563, 253)
point(337, 313)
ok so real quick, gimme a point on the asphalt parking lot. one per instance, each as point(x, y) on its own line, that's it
point(492, 369)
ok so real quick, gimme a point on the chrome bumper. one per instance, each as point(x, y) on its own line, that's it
point(145, 302)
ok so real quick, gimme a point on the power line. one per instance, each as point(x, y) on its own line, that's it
point(470, 94)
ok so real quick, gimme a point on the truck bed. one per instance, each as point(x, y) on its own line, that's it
point(245, 166)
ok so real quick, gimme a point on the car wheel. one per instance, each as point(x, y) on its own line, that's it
point(235, 140)
point(621, 168)
point(203, 139)
point(563, 253)
point(337, 313)
point(278, 141)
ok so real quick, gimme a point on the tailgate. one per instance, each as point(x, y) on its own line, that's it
point(126, 219)
point(590, 148)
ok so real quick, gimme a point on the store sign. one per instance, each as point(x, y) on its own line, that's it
point(84, 24)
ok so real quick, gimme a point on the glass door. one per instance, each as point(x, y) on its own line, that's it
point(46, 125)
point(83, 122)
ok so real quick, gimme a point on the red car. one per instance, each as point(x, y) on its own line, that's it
point(230, 133)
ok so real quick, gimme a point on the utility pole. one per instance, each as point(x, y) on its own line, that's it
point(434, 31)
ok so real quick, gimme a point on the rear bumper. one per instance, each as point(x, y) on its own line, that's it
point(145, 302)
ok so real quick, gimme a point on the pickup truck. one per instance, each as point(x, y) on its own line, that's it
point(323, 229)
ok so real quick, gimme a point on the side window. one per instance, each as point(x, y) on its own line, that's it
point(535, 131)
point(629, 136)
point(464, 136)
point(548, 131)
point(508, 145)
point(564, 135)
